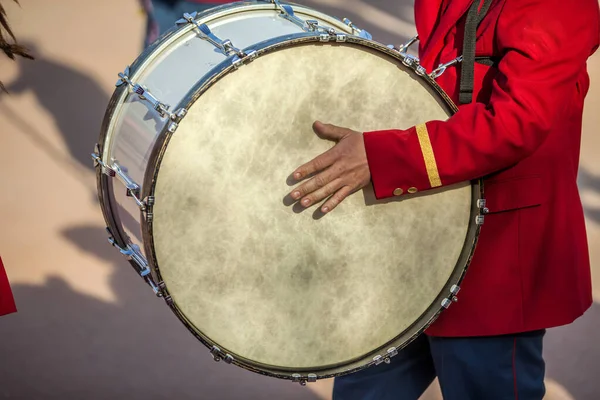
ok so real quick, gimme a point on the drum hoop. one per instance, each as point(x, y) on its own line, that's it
point(360, 362)
point(106, 196)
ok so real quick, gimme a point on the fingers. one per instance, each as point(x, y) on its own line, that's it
point(330, 132)
point(315, 165)
point(324, 131)
point(336, 199)
point(316, 189)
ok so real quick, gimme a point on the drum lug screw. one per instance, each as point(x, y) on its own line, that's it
point(446, 303)
point(149, 201)
point(178, 115)
point(216, 352)
point(172, 127)
point(302, 381)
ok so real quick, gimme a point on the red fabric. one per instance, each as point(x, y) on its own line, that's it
point(531, 267)
point(7, 303)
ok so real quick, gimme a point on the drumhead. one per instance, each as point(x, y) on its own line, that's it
point(284, 291)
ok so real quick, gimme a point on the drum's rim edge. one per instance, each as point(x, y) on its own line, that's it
point(361, 362)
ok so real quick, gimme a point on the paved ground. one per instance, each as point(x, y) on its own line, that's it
point(87, 327)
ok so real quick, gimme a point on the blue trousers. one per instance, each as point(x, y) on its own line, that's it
point(483, 368)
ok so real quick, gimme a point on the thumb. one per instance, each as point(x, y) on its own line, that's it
point(330, 132)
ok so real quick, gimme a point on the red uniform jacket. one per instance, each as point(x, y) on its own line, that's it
point(522, 133)
point(7, 303)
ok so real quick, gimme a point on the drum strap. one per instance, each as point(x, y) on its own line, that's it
point(467, 75)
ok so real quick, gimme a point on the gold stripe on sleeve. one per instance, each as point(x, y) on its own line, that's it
point(428, 156)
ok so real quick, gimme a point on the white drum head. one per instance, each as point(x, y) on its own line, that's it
point(283, 290)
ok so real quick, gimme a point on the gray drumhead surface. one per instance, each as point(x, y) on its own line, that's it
point(280, 287)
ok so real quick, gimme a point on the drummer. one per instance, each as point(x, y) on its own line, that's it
point(519, 127)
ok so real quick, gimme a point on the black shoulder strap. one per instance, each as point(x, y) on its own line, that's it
point(467, 74)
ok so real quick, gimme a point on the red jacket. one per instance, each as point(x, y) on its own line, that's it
point(7, 303)
point(531, 267)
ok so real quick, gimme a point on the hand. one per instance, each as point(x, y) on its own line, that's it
point(338, 172)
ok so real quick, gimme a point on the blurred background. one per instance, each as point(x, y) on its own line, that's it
point(87, 326)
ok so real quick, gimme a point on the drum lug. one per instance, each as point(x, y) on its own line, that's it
point(106, 170)
point(298, 378)
point(361, 33)
point(148, 203)
point(481, 204)
point(219, 355)
point(132, 253)
point(455, 289)
point(312, 25)
point(237, 61)
point(391, 352)
point(224, 46)
point(483, 210)
point(172, 127)
point(409, 60)
point(287, 12)
point(143, 93)
point(452, 298)
point(178, 115)
point(132, 188)
point(339, 37)
point(403, 49)
point(175, 118)
point(96, 155)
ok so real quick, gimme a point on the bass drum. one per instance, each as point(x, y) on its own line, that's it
point(193, 161)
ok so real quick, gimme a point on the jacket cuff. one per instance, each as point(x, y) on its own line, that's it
point(401, 161)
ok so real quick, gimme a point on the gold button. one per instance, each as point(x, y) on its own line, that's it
point(398, 192)
point(413, 190)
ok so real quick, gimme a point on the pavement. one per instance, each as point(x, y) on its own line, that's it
point(87, 327)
